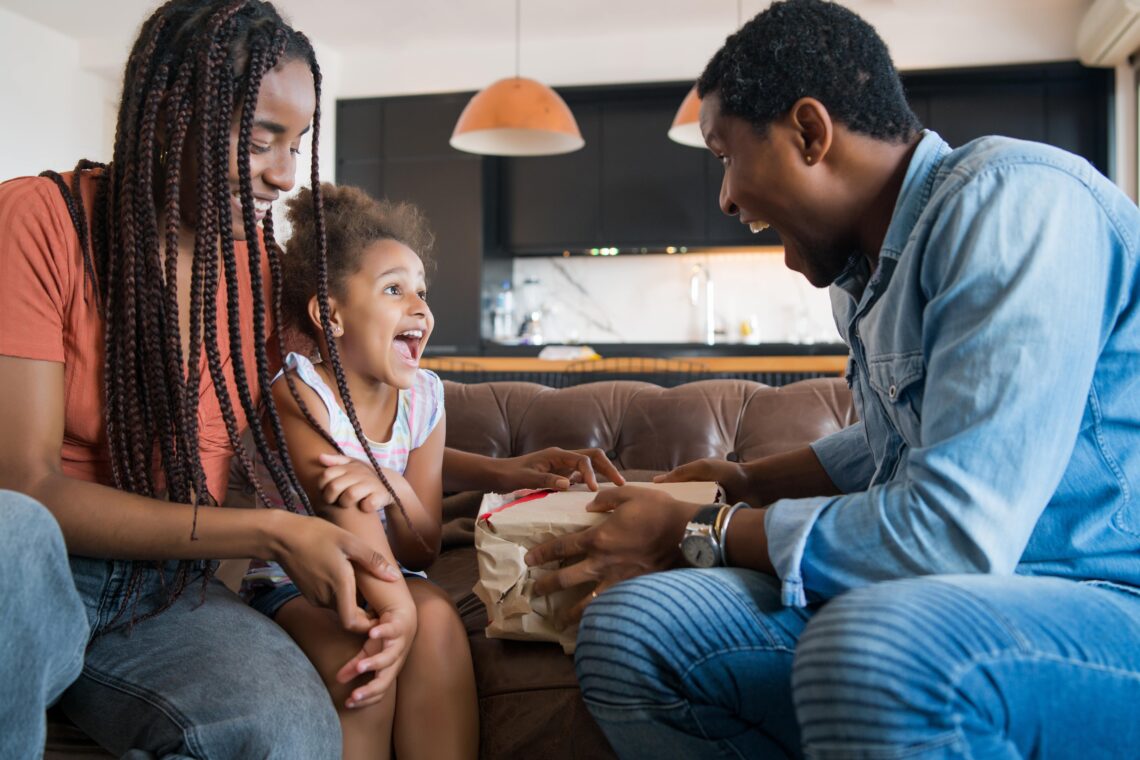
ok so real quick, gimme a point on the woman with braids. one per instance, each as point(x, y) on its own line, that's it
point(136, 308)
point(367, 425)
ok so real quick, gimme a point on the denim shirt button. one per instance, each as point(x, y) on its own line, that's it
point(893, 392)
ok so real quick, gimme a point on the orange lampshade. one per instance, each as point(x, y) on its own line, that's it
point(686, 127)
point(517, 117)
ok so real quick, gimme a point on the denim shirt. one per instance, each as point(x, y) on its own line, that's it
point(995, 367)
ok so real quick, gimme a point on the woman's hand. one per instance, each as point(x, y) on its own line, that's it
point(555, 468)
point(731, 476)
point(319, 558)
point(643, 535)
point(350, 483)
point(383, 653)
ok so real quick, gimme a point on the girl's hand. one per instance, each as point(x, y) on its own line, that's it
point(352, 484)
point(319, 558)
point(556, 468)
point(383, 654)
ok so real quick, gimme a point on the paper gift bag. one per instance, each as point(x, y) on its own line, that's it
point(510, 524)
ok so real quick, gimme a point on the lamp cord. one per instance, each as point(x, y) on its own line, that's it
point(518, 23)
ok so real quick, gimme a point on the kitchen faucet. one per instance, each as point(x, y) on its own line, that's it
point(701, 289)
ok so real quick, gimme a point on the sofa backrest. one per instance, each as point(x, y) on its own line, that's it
point(643, 426)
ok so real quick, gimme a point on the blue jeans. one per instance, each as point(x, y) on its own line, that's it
point(208, 678)
point(43, 629)
point(706, 664)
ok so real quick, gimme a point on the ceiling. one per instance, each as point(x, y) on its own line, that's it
point(362, 32)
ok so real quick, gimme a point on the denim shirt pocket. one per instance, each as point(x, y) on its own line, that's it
point(899, 381)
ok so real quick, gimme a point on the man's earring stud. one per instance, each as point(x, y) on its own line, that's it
point(808, 158)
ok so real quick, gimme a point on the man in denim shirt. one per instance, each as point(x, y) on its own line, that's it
point(957, 575)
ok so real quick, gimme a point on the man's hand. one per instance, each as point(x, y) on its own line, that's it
point(557, 469)
point(641, 536)
point(730, 475)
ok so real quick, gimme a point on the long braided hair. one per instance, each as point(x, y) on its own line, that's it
point(194, 65)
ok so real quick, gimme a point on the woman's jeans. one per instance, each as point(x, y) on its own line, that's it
point(43, 628)
point(207, 678)
point(707, 663)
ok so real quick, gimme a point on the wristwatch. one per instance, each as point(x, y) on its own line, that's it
point(701, 544)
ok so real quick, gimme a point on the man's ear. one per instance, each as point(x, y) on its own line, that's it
point(334, 315)
point(814, 127)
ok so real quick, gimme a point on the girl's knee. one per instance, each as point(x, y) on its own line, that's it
point(439, 630)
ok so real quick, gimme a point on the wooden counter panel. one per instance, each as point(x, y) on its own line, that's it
point(742, 364)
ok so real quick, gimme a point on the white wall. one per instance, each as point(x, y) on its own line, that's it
point(58, 84)
point(56, 112)
point(64, 97)
point(957, 33)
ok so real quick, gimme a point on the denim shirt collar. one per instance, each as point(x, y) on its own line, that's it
point(913, 196)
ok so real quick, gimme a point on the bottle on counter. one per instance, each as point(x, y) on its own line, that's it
point(750, 330)
point(503, 314)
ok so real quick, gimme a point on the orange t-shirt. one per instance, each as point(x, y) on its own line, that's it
point(45, 315)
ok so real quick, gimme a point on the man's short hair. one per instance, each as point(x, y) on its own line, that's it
point(810, 48)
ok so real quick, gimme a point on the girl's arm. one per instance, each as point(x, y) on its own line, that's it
point(421, 494)
point(306, 449)
point(100, 521)
point(549, 468)
point(391, 602)
point(354, 486)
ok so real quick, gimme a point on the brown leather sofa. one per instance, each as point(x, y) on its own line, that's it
point(528, 695)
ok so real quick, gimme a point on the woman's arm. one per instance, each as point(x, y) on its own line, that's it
point(100, 521)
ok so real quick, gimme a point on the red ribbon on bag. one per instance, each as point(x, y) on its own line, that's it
point(531, 496)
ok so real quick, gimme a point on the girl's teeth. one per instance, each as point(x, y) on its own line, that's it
point(757, 226)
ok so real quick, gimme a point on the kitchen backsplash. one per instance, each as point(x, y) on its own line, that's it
point(662, 299)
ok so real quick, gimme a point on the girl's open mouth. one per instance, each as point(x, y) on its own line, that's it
point(408, 345)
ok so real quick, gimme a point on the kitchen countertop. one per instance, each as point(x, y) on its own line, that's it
point(668, 350)
point(830, 358)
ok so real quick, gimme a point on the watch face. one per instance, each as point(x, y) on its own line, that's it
point(699, 551)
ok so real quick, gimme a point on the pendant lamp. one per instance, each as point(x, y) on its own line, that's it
point(517, 116)
point(686, 128)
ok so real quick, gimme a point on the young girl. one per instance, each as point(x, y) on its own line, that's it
point(418, 692)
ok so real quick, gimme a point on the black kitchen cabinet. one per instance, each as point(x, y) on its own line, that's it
point(653, 192)
point(633, 188)
point(652, 189)
point(630, 186)
point(554, 198)
point(1062, 104)
point(398, 148)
